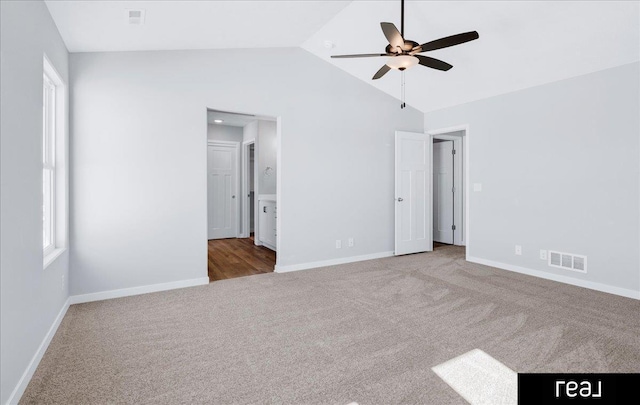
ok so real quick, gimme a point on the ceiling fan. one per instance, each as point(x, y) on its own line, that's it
point(404, 53)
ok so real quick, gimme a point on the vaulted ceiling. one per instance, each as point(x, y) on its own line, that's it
point(98, 26)
point(522, 43)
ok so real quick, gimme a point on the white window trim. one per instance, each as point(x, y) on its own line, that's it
point(58, 162)
point(52, 256)
point(48, 156)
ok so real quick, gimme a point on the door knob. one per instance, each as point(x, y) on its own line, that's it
point(233, 196)
point(400, 199)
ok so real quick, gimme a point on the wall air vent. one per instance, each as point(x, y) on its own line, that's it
point(134, 17)
point(568, 261)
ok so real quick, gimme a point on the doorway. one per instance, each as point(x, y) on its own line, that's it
point(443, 191)
point(242, 156)
point(449, 187)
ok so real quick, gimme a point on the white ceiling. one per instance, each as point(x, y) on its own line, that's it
point(96, 26)
point(522, 43)
point(234, 119)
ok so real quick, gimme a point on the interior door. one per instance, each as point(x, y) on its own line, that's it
point(412, 208)
point(443, 220)
point(221, 189)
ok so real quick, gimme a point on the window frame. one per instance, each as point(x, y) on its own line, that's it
point(48, 164)
point(54, 164)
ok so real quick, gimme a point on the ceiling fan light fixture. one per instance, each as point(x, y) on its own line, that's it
point(402, 62)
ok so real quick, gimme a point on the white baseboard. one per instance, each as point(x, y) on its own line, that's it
point(15, 396)
point(125, 292)
point(562, 279)
point(331, 262)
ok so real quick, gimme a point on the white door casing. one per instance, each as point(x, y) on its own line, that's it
point(247, 188)
point(412, 182)
point(443, 212)
point(222, 201)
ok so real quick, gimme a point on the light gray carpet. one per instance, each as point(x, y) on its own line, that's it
point(368, 332)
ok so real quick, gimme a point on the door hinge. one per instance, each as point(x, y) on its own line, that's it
point(453, 227)
point(453, 151)
point(453, 189)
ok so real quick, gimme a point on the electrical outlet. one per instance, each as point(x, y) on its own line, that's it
point(350, 242)
point(518, 250)
point(338, 244)
point(543, 254)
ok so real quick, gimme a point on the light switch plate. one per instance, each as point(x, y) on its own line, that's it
point(477, 186)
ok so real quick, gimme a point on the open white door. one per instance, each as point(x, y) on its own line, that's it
point(412, 210)
point(221, 190)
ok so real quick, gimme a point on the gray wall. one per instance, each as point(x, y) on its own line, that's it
point(267, 157)
point(139, 158)
point(559, 170)
point(227, 133)
point(31, 297)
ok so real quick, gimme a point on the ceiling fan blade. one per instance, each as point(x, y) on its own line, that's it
point(433, 63)
point(383, 70)
point(362, 55)
point(393, 35)
point(448, 41)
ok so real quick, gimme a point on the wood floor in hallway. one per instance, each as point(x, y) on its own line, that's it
point(230, 258)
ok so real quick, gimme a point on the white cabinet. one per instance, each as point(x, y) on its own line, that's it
point(267, 225)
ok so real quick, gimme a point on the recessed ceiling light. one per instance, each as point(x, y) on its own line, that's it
point(218, 121)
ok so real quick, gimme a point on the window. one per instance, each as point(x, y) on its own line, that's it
point(48, 164)
point(54, 201)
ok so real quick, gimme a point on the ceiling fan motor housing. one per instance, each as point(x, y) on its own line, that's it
point(408, 46)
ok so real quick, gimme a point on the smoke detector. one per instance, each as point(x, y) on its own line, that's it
point(134, 16)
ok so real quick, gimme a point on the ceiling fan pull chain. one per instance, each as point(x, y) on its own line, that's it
point(402, 91)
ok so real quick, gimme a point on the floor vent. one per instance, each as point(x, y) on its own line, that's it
point(568, 261)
